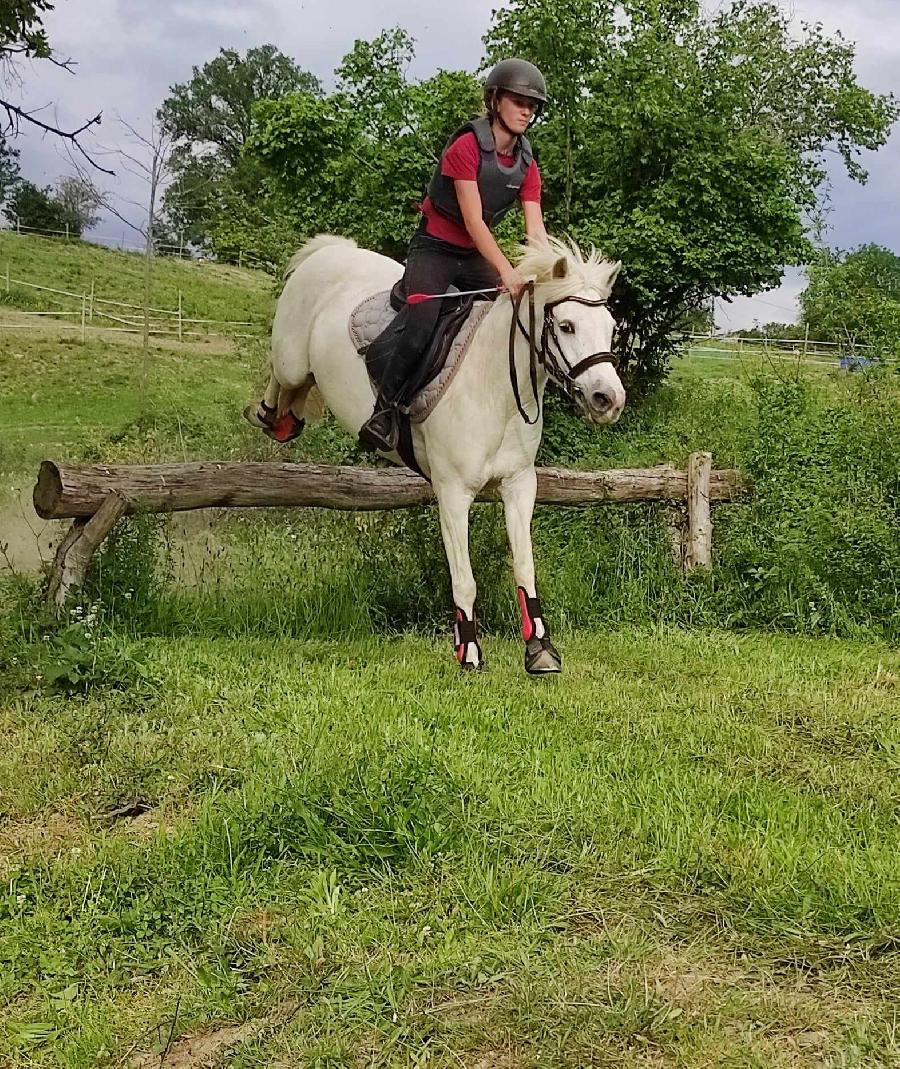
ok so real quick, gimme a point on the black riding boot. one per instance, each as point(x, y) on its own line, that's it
point(381, 431)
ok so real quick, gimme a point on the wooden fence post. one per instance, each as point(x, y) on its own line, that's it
point(83, 315)
point(92, 301)
point(180, 321)
point(698, 551)
point(78, 547)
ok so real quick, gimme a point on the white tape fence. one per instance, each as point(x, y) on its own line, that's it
point(95, 312)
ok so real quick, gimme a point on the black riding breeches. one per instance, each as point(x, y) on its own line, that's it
point(432, 265)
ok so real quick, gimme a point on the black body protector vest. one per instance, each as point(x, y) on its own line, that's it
point(498, 185)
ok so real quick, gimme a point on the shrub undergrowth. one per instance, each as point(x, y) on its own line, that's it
point(815, 550)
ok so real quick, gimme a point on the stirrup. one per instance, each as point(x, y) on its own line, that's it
point(381, 432)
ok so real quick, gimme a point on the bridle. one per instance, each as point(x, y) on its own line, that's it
point(555, 363)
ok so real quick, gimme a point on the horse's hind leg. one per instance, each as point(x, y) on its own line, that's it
point(454, 505)
point(518, 493)
point(279, 414)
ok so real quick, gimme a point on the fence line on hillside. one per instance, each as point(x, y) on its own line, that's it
point(181, 251)
point(803, 350)
point(806, 349)
point(163, 322)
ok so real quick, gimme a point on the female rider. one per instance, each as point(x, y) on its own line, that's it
point(486, 167)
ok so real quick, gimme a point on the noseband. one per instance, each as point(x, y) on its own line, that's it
point(555, 363)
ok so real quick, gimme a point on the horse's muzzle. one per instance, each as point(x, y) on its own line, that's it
point(602, 406)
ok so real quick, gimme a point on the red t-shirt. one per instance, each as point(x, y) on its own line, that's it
point(460, 161)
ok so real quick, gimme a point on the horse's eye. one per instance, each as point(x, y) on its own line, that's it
point(567, 326)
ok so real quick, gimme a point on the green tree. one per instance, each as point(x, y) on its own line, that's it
point(33, 208)
point(357, 162)
point(79, 200)
point(689, 146)
point(854, 298)
point(210, 120)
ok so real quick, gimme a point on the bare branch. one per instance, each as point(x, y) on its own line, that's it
point(16, 115)
point(64, 64)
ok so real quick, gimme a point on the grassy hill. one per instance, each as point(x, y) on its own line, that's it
point(65, 398)
point(211, 291)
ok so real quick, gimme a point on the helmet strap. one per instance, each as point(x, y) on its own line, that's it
point(495, 116)
point(512, 133)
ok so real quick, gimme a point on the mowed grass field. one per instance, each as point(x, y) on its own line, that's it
point(682, 852)
point(223, 844)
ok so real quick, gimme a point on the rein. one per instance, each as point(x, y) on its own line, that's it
point(557, 366)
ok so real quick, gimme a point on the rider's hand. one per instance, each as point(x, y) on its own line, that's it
point(512, 281)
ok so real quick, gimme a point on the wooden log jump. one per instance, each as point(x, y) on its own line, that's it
point(95, 497)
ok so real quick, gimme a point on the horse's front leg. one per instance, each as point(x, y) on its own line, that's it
point(455, 503)
point(518, 493)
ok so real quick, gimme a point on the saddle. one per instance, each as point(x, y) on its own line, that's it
point(459, 318)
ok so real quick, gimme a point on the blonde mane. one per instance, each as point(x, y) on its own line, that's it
point(582, 272)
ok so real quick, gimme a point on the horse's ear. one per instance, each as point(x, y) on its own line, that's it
point(614, 274)
point(560, 268)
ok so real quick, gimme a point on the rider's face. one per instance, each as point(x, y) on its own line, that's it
point(516, 111)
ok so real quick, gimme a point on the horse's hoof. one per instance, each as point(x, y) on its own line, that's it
point(542, 657)
point(255, 419)
point(472, 666)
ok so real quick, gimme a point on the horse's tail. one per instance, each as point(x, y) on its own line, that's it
point(320, 241)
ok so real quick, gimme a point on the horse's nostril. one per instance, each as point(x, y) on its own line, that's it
point(601, 401)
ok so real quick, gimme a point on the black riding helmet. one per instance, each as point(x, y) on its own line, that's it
point(517, 76)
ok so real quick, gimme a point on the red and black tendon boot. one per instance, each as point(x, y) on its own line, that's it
point(465, 641)
point(541, 656)
point(281, 429)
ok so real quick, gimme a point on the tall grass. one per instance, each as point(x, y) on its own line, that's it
point(816, 550)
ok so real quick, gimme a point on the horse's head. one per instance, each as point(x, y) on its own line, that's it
point(578, 328)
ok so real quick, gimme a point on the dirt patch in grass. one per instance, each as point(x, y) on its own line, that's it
point(50, 835)
point(198, 1051)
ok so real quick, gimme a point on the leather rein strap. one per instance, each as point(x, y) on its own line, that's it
point(557, 366)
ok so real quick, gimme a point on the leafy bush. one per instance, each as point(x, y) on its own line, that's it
point(131, 572)
point(818, 548)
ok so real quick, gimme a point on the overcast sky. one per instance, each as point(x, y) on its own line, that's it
point(129, 52)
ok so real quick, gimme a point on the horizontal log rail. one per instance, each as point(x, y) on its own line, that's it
point(96, 497)
point(78, 492)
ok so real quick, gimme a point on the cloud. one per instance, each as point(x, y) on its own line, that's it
point(775, 306)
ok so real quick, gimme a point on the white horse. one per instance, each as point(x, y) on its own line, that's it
point(476, 436)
